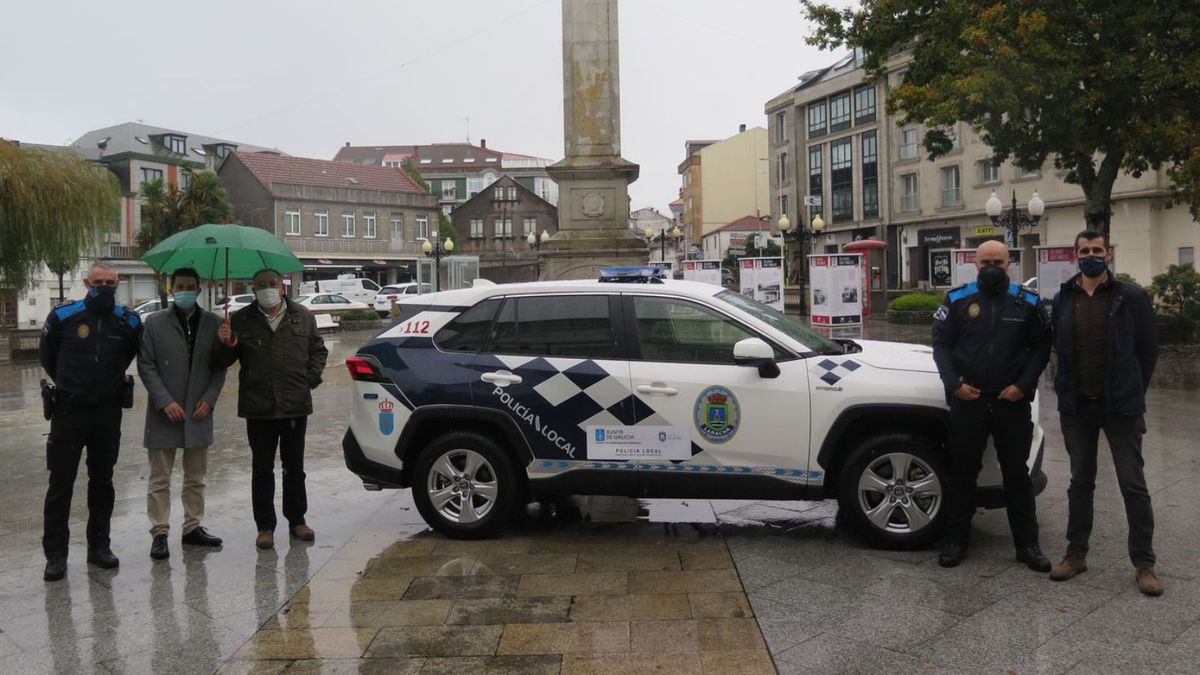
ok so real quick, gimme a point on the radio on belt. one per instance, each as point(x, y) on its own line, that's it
point(633, 274)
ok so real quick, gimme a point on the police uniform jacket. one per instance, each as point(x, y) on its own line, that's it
point(991, 341)
point(280, 368)
point(86, 352)
point(171, 376)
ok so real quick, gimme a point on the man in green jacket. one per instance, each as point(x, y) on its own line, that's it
point(282, 357)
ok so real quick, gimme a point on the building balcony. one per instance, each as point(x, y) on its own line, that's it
point(338, 246)
point(122, 252)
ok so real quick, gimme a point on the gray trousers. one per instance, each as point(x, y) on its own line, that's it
point(1081, 432)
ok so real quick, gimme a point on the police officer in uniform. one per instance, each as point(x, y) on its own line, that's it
point(86, 347)
point(991, 341)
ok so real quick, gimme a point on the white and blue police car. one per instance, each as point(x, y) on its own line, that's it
point(482, 399)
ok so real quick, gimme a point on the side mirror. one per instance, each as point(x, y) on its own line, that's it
point(754, 353)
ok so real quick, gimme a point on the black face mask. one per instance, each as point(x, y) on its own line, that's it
point(992, 279)
point(100, 298)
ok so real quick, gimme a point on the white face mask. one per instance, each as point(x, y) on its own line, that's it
point(268, 297)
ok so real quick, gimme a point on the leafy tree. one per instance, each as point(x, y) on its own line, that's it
point(770, 250)
point(53, 208)
point(1101, 87)
point(1178, 289)
point(167, 210)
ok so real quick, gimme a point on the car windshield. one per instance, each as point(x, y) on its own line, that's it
point(780, 322)
point(389, 289)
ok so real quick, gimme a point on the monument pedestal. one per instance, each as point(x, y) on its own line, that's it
point(593, 217)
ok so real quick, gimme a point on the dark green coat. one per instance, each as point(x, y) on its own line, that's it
point(279, 369)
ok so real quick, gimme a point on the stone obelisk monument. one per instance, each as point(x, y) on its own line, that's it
point(593, 178)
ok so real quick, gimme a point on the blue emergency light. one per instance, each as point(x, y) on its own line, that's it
point(633, 274)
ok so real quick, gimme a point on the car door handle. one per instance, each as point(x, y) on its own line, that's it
point(656, 388)
point(501, 378)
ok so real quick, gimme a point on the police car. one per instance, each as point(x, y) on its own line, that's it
point(482, 399)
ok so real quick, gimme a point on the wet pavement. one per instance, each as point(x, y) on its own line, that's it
point(589, 585)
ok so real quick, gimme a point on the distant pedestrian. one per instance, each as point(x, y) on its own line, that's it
point(183, 386)
point(991, 342)
point(1107, 344)
point(282, 357)
point(86, 347)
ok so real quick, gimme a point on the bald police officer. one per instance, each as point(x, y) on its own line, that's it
point(86, 347)
point(991, 341)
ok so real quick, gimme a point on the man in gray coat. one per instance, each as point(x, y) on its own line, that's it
point(183, 384)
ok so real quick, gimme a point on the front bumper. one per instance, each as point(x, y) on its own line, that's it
point(373, 474)
point(993, 497)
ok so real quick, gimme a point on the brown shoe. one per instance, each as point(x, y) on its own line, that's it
point(303, 533)
point(1069, 567)
point(265, 539)
point(1148, 582)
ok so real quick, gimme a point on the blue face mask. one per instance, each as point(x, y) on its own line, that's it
point(185, 300)
point(1093, 265)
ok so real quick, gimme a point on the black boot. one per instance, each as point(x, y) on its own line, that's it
point(56, 568)
point(103, 558)
point(200, 537)
point(952, 554)
point(158, 548)
point(1032, 556)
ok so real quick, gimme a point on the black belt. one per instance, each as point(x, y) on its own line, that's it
point(67, 396)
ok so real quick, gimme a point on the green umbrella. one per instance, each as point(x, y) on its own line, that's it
point(223, 251)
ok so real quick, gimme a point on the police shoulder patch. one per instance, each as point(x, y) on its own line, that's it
point(941, 313)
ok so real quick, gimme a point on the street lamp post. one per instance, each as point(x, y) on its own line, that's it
point(674, 233)
point(1014, 219)
point(802, 234)
point(437, 249)
point(535, 243)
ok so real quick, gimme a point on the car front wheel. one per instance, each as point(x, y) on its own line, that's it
point(892, 491)
point(464, 486)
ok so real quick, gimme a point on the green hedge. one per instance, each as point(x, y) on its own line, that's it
point(915, 302)
point(360, 315)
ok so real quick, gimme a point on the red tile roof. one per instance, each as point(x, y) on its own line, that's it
point(745, 224)
point(324, 173)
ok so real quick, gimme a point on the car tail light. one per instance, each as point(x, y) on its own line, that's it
point(363, 370)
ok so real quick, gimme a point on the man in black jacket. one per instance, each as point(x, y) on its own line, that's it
point(991, 341)
point(86, 347)
point(282, 357)
point(1107, 345)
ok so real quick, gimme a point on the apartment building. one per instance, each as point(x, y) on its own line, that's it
point(875, 179)
point(457, 172)
point(723, 180)
point(339, 218)
point(495, 224)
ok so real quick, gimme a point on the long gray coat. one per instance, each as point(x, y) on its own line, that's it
point(164, 369)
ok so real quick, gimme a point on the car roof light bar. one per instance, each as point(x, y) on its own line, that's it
point(633, 274)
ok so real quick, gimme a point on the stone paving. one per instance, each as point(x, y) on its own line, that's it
point(586, 585)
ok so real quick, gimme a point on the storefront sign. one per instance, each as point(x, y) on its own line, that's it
point(836, 290)
point(947, 236)
point(941, 272)
point(984, 231)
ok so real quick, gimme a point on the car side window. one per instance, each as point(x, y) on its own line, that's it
point(569, 326)
point(468, 331)
point(679, 331)
point(370, 285)
point(339, 300)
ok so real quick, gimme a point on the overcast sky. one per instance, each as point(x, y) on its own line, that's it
point(307, 76)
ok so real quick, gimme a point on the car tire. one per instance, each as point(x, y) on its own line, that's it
point(465, 463)
point(887, 507)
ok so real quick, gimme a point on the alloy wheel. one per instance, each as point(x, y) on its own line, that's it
point(462, 486)
point(899, 493)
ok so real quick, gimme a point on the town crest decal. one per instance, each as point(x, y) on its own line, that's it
point(387, 419)
point(717, 414)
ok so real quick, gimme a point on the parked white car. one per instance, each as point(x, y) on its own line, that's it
point(630, 385)
point(383, 301)
point(329, 303)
